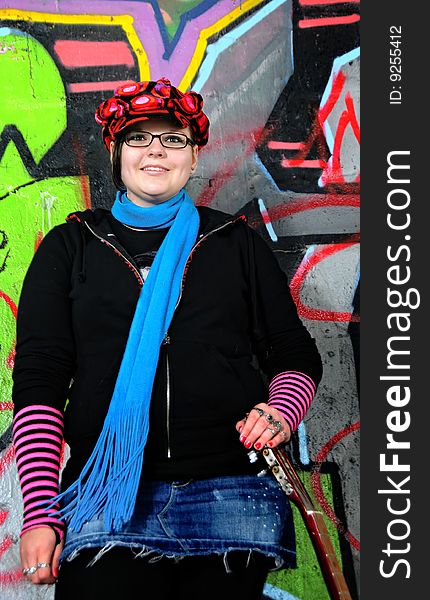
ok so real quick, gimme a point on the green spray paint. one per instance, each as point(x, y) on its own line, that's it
point(172, 10)
point(33, 100)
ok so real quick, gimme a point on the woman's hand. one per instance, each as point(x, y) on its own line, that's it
point(39, 550)
point(263, 426)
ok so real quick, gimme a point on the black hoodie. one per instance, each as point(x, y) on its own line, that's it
point(75, 311)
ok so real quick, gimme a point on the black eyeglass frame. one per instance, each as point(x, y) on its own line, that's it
point(158, 135)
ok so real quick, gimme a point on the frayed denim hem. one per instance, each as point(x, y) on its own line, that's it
point(153, 555)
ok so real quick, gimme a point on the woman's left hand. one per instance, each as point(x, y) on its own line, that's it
point(263, 426)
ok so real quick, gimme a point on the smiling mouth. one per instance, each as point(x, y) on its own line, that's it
point(154, 170)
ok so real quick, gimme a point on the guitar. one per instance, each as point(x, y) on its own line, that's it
point(285, 474)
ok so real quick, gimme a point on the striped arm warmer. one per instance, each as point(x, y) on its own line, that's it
point(38, 436)
point(291, 392)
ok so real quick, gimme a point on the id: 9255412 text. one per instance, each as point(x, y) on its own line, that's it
point(395, 58)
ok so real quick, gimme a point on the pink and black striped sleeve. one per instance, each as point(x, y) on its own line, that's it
point(291, 392)
point(38, 437)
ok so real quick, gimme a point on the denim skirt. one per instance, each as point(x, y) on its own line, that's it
point(200, 517)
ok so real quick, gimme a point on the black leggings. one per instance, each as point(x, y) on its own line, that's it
point(117, 574)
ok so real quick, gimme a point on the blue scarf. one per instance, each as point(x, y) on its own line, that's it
point(109, 481)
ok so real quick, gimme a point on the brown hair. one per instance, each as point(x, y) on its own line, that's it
point(116, 162)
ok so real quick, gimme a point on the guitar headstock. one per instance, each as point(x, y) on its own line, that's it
point(274, 467)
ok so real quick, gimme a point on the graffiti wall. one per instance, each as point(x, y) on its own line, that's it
point(281, 83)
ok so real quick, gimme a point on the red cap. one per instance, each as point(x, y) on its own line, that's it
point(143, 100)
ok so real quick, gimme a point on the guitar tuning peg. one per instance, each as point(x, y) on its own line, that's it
point(253, 457)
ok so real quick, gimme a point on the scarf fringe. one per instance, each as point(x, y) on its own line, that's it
point(109, 482)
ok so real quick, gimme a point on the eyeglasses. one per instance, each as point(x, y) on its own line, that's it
point(142, 139)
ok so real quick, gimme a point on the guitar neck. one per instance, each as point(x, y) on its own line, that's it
point(327, 558)
point(283, 470)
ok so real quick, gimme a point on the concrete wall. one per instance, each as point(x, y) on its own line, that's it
point(281, 83)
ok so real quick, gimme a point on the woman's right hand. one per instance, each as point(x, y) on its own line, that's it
point(38, 547)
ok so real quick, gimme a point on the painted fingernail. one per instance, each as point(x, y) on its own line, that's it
point(257, 446)
point(242, 438)
point(270, 444)
point(248, 444)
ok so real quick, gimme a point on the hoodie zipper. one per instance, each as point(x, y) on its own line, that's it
point(167, 339)
point(167, 342)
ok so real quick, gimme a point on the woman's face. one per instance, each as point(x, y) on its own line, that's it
point(154, 174)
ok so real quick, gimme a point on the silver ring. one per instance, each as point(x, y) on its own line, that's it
point(29, 571)
point(272, 431)
point(43, 565)
point(269, 417)
point(259, 410)
point(278, 425)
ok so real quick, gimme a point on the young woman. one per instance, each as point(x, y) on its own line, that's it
point(137, 335)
